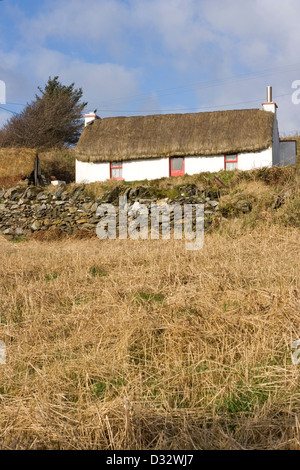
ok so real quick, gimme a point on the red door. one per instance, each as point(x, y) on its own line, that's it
point(177, 166)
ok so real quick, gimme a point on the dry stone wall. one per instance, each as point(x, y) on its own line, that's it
point(25, 210)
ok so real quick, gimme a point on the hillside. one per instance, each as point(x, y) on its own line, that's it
point(140, 344)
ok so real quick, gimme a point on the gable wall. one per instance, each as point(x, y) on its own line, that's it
point(276, 143)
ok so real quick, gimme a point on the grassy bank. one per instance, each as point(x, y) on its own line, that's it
point(16, 164)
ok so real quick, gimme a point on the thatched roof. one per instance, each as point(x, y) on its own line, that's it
point(166, 135)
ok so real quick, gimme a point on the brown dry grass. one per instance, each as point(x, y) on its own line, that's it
point(143, 345)
point(16, 164)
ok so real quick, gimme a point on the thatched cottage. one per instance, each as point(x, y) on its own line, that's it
point(150, 147)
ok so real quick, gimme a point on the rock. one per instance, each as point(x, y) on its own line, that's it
point(89, 226)
point(212, 194)
point(41, 197)
point(278, 201)
point(81, 221)
point(189, 190)
point(113, 195)
point(144, 191)
point(35, 226)
point(145, 201)
point(135, 209)
point(213, 204)
point(243, 206)
point(127, 193)
point(32, 192)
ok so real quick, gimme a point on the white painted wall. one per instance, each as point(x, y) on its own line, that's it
point(86, 172)
point(272, 107)
point(89, 118)
point(135, 170)
point(249, 161)
point(198, 164)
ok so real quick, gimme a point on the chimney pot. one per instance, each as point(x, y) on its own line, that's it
point(269, 94)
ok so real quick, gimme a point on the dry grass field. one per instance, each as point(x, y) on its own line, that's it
point(121, 344)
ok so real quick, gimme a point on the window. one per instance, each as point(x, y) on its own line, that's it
point(230, 162)
point(177, 166)
point(116, 170)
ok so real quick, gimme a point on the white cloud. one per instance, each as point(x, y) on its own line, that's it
point(80, 21)
point(101, 83)
point(108, 47)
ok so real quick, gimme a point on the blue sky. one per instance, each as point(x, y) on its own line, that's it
point(154, 56)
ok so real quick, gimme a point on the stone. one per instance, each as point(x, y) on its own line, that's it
point(88, 226)
point(243, 206)
point(41, 197)
point(278, 201)
point(213, 204)
point(189, 190)
point(35, 226)
point(81, 221)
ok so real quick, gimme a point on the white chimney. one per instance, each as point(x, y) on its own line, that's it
point(90, 117)
point(269, 105)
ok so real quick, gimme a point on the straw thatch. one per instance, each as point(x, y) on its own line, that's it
point(140, 137)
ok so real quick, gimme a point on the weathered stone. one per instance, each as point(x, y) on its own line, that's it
point(113, 195)
point(35, 226)
point(77, 192)
point(41, 197)
point(89, 226)
point(213, 204)
point(81, 221)
point(278, 201)
point(32, 192)
point(189, 190)
point(243, 206)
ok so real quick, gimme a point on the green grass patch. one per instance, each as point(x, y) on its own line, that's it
point(19, 239)
point(51, 276)
point(98, 271)
point(149, 297)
